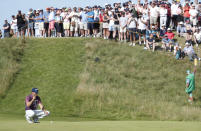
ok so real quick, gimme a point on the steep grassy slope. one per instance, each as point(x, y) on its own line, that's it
point(11, 51)
point(123, 82)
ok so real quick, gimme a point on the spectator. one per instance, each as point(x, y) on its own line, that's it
point(41, 22)
point(31, 23)
point(193, 16)
point(153, 14)
point(123, 24)
point(51, 20)
point(151, 43)
point(170, 35)
point(132, 26)
point(197, 36)
point(189, 51)
point(162, 31)
point(46, 22)
point(83, 23)
point(163, 15)
point(174, 15)
point(186, 12)
point(21, 23)
point(14, 26)
point(90, 20)
point(181, 29)
point(0, 34)
point(142, 26)
point(6, 28)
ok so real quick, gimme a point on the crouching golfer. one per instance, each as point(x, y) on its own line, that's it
point(31, 103)
point(190, 84)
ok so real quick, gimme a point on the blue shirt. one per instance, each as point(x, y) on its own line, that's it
point(46, 15)
point(84, 17)
point(90, 14)
point(41, 17)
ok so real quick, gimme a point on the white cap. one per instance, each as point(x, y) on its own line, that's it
point(181, 23)
point(168, 29)
point(187, 43)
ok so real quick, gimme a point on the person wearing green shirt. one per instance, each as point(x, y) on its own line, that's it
point(190, 84)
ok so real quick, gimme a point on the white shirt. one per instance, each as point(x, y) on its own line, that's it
point(73, 14)
point(111, 23)
point(51, 16)
point(197, 35)
point(163, 12)
point(154, 11)
point(174, 9)
point(132, 23)
point(193, 13)
point(141, 25)
point(123, 21)
point(14, 24)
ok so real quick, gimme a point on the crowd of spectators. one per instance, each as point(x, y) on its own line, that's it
point(149, 23)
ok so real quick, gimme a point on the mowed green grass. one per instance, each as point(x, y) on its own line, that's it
point(20, 125)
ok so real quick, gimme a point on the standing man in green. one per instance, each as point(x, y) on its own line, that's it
point(190, 84)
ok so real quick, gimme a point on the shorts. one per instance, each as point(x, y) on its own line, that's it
point(90, 26)
point(96, 25)
point(111, 27)
point(51, 25)
point(193, 21)
point(46, 26)
point(132, 31)
point(36, 25)
point(58, 28)
point(41, 26)
point(21, 27)
point(31, 25)
point(75, 27)
point(141, 32)
point(83, 26)
point(105, 25)
point(116, 28)
point(153, 20)
point(66, 25)
point(122, 30)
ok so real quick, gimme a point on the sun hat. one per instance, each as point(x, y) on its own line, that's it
point(35, 90)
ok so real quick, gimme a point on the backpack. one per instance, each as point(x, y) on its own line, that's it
point(178, 54)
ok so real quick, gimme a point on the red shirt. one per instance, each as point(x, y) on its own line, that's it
point(170, 35)
point(186, 11)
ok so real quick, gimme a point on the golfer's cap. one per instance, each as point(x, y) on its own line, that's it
point(35, 90)
point(168, 29)
point(188, 72)
point(153, 27)
point(187, 43)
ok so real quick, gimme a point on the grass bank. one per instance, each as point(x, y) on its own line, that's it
point(11, 52)
point(96, 79)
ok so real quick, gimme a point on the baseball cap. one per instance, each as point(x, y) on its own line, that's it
point(35, 90)
point(168, 29)
point(188, 72)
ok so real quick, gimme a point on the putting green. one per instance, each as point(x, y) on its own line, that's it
point(22, 125)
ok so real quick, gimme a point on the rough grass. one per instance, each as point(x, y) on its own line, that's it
point(11, 51)
point(126, 84)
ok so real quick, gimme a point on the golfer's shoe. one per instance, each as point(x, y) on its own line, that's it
point(29, 120)
point(36, 121)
